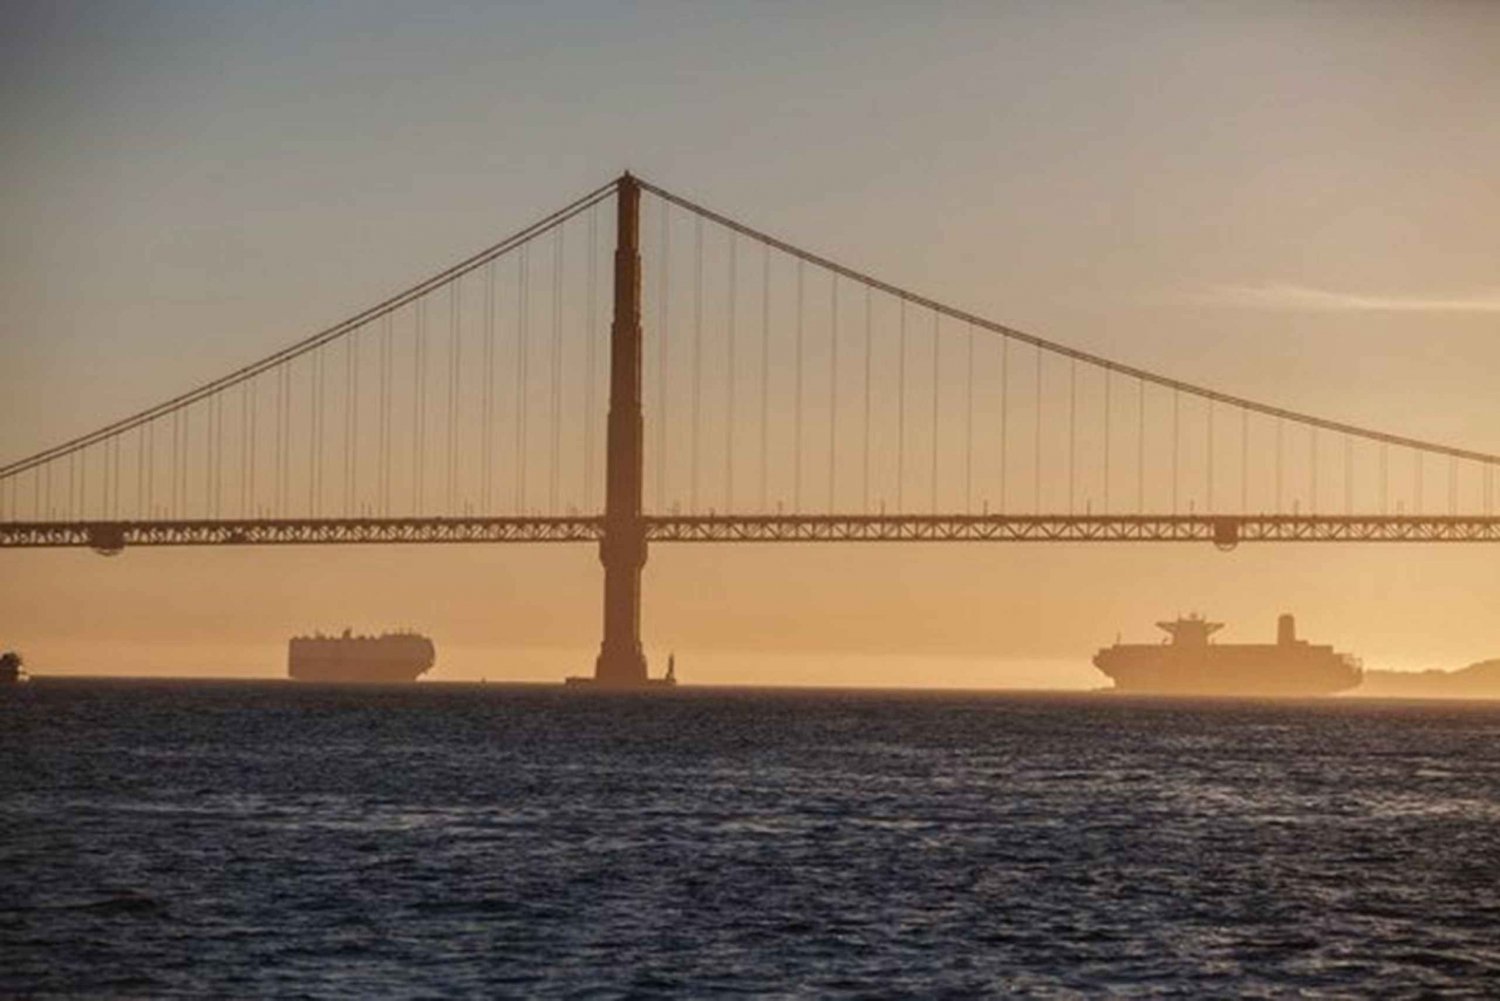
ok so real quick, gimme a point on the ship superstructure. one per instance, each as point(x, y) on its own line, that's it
point(1190, 663)
point(387, 658)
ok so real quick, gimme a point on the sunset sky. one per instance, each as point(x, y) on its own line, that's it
point(1289, 202)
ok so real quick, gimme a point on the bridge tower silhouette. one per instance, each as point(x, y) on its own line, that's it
point(622, 550)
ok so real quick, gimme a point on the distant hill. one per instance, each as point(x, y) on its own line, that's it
point(1477, 681)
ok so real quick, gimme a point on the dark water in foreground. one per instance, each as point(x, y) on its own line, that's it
point(261, 839)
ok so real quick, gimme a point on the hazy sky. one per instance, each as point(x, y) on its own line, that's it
point(1290, 202)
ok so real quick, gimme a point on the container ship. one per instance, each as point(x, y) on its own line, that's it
point(384, 659)
point(1189, 663)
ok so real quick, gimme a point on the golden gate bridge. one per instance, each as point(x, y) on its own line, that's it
point(663, 373)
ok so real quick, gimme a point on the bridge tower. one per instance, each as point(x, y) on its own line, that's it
point(622, 549)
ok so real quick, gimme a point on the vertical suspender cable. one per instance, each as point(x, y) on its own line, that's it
point(106, 461)
point(172, 504)
point(1140, 447)
point(150, 506)
point(273, 506)
point(455, 360)
point(591, 358)
point(1348, 475)
point(1280, 434)
point(1072, 434)
point(419, 407)
point(284, 442)
point(1108, 380)
point(1416, 475)
point(554, 466)
point(1244, 461)
point(697, 389)
point(218, 488)
point(1385, 479)
point(115, 509)
point(188, 414)
point(314, 373)
point(1176, 445)
point(1036, 458)
point(833, 390)
point(765, 377)
point(901, 412)
point(314, 420)
point(523, 325)
point(1312, 470)
point(179, 461)
point(288, 445)
point(1004, 420)
point(937, 343)
point(969, 424)
point(80, 504)
point(869, 358)
point(487, 400)
point(384, 418)
point(797, 403)
point(247, 448)
point(663, 311)
point(1209, 476)
point(730, 375)
point(351, 434)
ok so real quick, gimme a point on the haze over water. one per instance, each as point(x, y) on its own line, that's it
point(256, 838)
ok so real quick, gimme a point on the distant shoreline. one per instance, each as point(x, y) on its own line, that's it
point(1479, 681)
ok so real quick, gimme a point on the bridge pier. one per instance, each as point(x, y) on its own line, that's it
point(622, 550)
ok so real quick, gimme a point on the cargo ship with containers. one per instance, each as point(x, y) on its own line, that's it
point(1188, 662)
point(390, 658)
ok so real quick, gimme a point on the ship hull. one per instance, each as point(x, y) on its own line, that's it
point(356, 674)
point(385, 660)
point(1249, 670)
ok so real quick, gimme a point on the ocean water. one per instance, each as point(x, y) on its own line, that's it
point(165, 839)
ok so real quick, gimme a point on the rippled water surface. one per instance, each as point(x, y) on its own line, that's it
point(262, 839)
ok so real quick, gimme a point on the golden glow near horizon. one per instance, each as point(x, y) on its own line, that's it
point(1282, 201)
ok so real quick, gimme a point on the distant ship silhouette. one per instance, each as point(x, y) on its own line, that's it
point(389, 657)
point(1190, 664)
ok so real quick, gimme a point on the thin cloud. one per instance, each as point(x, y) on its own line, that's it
point(1302, 297)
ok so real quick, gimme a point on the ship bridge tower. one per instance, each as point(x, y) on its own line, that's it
point(1191, 631)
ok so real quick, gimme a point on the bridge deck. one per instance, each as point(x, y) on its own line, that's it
point(1220, 530)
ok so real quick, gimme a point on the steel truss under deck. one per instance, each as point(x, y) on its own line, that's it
point(1223, 531)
